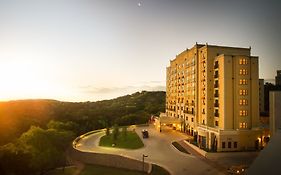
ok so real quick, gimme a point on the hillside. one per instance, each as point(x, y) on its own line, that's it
point(16, 117)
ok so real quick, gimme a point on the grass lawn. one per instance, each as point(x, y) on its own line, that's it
point(98, 170)
point(130, 141)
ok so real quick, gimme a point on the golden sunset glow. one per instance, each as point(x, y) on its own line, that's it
point(25, 79)
point(95, 50)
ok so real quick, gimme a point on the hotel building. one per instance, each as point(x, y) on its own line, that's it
point(214, 91)
point(261, 95)
point(278, 78)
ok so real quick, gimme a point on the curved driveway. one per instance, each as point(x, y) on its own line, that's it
point(159, 149)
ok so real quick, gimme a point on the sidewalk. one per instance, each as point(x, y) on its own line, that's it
point(201, 157)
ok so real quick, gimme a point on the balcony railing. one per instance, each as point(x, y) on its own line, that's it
point(171, 109)
point(188, 112)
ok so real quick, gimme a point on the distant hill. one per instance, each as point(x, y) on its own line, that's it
point(17, 116)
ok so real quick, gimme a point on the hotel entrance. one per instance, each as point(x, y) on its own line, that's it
point(164, 123)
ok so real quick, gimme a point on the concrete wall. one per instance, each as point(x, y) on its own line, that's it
point(110, 160)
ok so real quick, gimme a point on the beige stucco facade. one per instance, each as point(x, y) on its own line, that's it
point(215, 91)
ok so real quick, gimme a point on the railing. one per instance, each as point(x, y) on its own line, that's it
point(171, 109)
point(188, 112)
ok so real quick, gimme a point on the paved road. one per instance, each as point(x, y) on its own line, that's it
point(159, 149)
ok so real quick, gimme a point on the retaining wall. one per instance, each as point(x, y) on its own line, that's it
point(110, 160)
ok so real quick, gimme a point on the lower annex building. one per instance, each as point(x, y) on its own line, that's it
point(214, 91)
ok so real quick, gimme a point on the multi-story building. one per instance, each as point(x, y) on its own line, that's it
point(275, 111)
point(214, 90)
point(278, 78)
point(261, 95)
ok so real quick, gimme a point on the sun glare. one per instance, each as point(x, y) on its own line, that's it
point(22, 80)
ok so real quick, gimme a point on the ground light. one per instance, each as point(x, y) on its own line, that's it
point(143, 156)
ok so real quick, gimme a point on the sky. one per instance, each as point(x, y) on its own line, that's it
point(88, 50)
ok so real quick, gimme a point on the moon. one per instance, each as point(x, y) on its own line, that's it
point(139, 4)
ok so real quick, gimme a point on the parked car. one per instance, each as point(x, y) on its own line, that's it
point(145, 133)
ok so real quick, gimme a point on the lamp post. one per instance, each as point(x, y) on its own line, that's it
point(143, 156)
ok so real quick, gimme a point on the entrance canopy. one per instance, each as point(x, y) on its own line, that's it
point(170, 120)
point(163, 120)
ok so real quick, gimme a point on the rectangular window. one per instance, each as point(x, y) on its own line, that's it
point(243, 125)
point(191, 119)
point(243, 72)
point(235, 145)
point(243, 113)
point(243, 81)
point(243, 92)
point(229, 144)
point(216, 123)
point(243, 102)
point(223, 144)
point(243, 61)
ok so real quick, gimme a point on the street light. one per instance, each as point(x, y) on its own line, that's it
point(143, 156)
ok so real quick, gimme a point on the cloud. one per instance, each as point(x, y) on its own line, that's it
point(121, 90)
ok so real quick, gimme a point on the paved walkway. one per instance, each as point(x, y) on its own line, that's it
point(159, 149)
point(195, 153)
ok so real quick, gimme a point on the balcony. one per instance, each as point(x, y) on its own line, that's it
point(216, 114)
point(188, 112)
point(216, 85)
point(216, 66)
point(171, 109)
point(216, 95)
point(216, 104)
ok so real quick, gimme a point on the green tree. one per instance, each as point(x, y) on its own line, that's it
point(47, 147)
point(107, 132)
point(115, 133)
point(14, 160)
point(59, 125)
point(124, 132)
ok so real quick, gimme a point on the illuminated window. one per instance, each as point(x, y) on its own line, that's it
point(243, 102)
point(243, 72)
point(243, 61)
point(243, 81)
point(243, 113)
point(243, 92)
point(243, 125)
